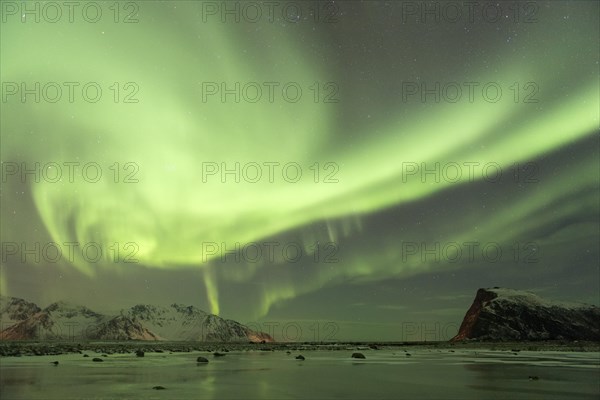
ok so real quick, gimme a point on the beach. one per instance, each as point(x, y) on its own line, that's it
point(245, 371)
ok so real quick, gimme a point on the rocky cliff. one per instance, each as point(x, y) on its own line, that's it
point(504, 315)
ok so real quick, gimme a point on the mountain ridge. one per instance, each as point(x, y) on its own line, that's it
point(23, 320)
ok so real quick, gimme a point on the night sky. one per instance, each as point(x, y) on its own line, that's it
point(352, 231)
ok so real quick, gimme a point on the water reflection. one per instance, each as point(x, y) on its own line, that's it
point(383, 374)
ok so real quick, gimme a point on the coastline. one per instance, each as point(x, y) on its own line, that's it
point(39, 348)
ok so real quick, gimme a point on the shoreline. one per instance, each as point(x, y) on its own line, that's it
point(39, 348)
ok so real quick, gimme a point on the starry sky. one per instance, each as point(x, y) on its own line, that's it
point(353, 231)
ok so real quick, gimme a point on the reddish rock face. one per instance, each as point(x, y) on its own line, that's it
point(504, 314)
point(482, 298)
point(259, 337)
point(24, 330)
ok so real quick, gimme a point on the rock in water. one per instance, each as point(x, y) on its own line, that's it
point(505, 314)
point(358, 355)
point(96, 359)
point(139, 353)
point(201, 360)
point(54, 362)
point(158, 388)
point(217, 354)
point(300, 357)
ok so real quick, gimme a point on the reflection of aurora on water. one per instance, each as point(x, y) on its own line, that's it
point(171, 133)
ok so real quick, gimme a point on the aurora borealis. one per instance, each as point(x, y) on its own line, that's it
point(156, 125)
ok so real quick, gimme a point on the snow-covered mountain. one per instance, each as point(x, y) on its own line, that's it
point(64, 321)
point(174, 322)
point(507, 314)
point(123, 328)
point(15, 309)
point(179, 322)
point(57, 321)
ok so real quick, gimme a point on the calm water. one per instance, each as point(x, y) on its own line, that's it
point(427, 374)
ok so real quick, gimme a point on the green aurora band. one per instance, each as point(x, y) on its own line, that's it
point(170, 133)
